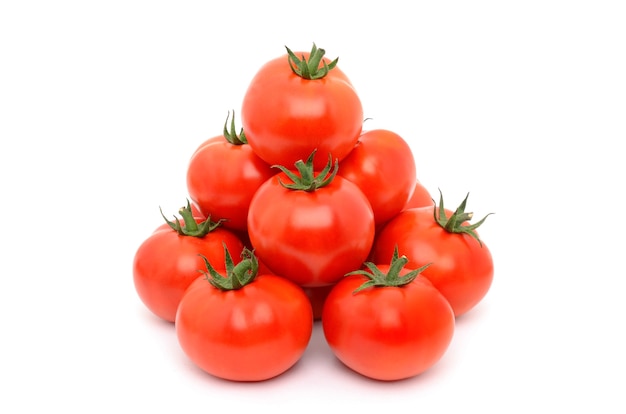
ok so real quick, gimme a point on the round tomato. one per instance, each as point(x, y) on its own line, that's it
point(294, 105)
point(244, 326)
point(420, 197)
point(168, 261)
point(387, 322)
point(382, 166)
point(222, 176)
point(462, 266)
point(311, 230)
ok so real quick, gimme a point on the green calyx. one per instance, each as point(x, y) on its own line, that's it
point(191, 227)
point(454, 223)
point(310, 69)
point(377, 278)
point(231, 135)
point(308, 180)
point(237, 276)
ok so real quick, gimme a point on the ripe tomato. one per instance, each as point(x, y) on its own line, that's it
point(397, 326)
point(462, 266)
point(244, 326)
point(168, 261)
point(420, 197)
point(382, 166)
point(286, 116)
point(311, 236)
point(222, 175)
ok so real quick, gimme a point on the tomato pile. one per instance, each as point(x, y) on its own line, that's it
point(304, 217)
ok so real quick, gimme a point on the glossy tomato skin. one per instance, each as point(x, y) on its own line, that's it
point(461, 269)
point(286, 117)
point(166, 263)
point(382, 166)
point(387, 333)
point(312, 238)
point(221, 179)
point(251, 334)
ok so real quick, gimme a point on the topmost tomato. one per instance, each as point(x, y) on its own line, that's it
point(298, 103)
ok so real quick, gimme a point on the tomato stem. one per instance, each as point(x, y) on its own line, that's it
point(231, 135)
point(454, 223)
point(310, 70)
point(377, 278)
point(191, 227)
point(237, 276)
point(307, 180)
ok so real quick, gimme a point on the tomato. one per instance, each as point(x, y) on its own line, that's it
point(241, 325)
point(222, 175)
point(382, 166)
point(310, 233)
point(462, 265)
point(168, 261)
point(420, 197)
point(286, 116)
point(387, 322)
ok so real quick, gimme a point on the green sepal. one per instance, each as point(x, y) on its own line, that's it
point(310, 69)
point(191, 227)
point(231, 135)
point(377, 278)
point(237, 276)
point(307, 180)
point(454, 223)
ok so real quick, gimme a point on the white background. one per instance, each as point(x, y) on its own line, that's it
point(521, 104)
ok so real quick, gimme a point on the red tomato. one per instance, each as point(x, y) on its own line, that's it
point(222, 176)
point(382, 166)
point(420, 197)
point(168, 261)
point(312, 237)
point(249, 333)
point(388, 332)
point(286, 116)
point(462, 266)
